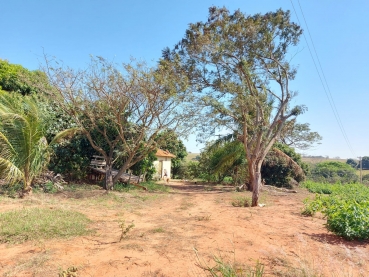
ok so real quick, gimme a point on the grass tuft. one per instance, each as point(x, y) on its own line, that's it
point(241, 201)
point(225, 268)
point(32, 224)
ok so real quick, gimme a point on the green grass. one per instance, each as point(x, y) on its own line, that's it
point(34, 224)
point(150, 185)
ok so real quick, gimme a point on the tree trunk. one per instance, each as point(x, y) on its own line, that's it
point(27, 189)
point(249, 181)
point(254, 168)
point(256, 183)
point(108, 177)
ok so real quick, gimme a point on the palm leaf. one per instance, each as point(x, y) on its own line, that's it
point(68, 133)
point(298, 171)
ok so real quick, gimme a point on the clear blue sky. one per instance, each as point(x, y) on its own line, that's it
point(74, 30)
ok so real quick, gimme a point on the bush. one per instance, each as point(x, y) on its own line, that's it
point(348, 219)
point(346, 208)
point(333, 172)
point(278, 169)
point(11, 191)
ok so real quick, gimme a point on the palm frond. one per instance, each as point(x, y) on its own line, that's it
point(9, 171)
point(68, 133)
point(295, 166)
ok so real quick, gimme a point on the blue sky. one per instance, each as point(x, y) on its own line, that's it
point(73, 30)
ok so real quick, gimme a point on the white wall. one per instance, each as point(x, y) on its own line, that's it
point(166, 165)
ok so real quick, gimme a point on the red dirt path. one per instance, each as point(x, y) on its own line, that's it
point(170, 226)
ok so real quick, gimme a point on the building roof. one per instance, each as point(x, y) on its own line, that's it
point(164, 153)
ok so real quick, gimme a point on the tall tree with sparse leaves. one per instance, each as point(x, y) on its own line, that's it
point(239, 67)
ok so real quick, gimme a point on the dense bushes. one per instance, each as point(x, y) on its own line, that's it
point(281, 165)
point(345, 206)
point(333, 172)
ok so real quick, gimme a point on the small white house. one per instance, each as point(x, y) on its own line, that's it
point(163, 164)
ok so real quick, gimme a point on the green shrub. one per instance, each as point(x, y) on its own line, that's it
point(278, 169)
point(11, 191)
point(49, 187)
point(348, 219)
point(346, 208)
point(333, 172)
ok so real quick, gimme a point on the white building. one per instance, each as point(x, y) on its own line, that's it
point(163, 164)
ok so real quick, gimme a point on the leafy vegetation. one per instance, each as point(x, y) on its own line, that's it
point(333, 172)
point(24, 149)
point(41, 223)
point(16, 78)
point(345, 206)
point(127, 106)
point(239, 68)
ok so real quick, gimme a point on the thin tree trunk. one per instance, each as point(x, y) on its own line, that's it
point(108, 177)
point(250, 178)
point(254, 184)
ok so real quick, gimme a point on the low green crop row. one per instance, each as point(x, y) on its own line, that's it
point(346, 208)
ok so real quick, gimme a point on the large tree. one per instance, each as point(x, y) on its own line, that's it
point(239, 66)
point(127, 106)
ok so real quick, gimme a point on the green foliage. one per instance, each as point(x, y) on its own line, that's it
point(226, 157)
point(365, 179)
point(125, 229)
point(277, 170)
point(240, 73)
point(222, 158)
point(348, 219)
point(353, 163)
point(190, 170)
point(24, 150)
point(299, 135)
point(41, 223)
point(72, 158)
point(11, 190)
point(333, 172)
point(345, 206)
point(49, 187)
point(15, 78)
point(145, 166)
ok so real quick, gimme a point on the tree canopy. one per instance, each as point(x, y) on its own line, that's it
point(126, 107)
point(16, 78)
point(239, 67)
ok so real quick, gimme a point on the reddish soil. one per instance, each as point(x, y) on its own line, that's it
point(169, 228)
